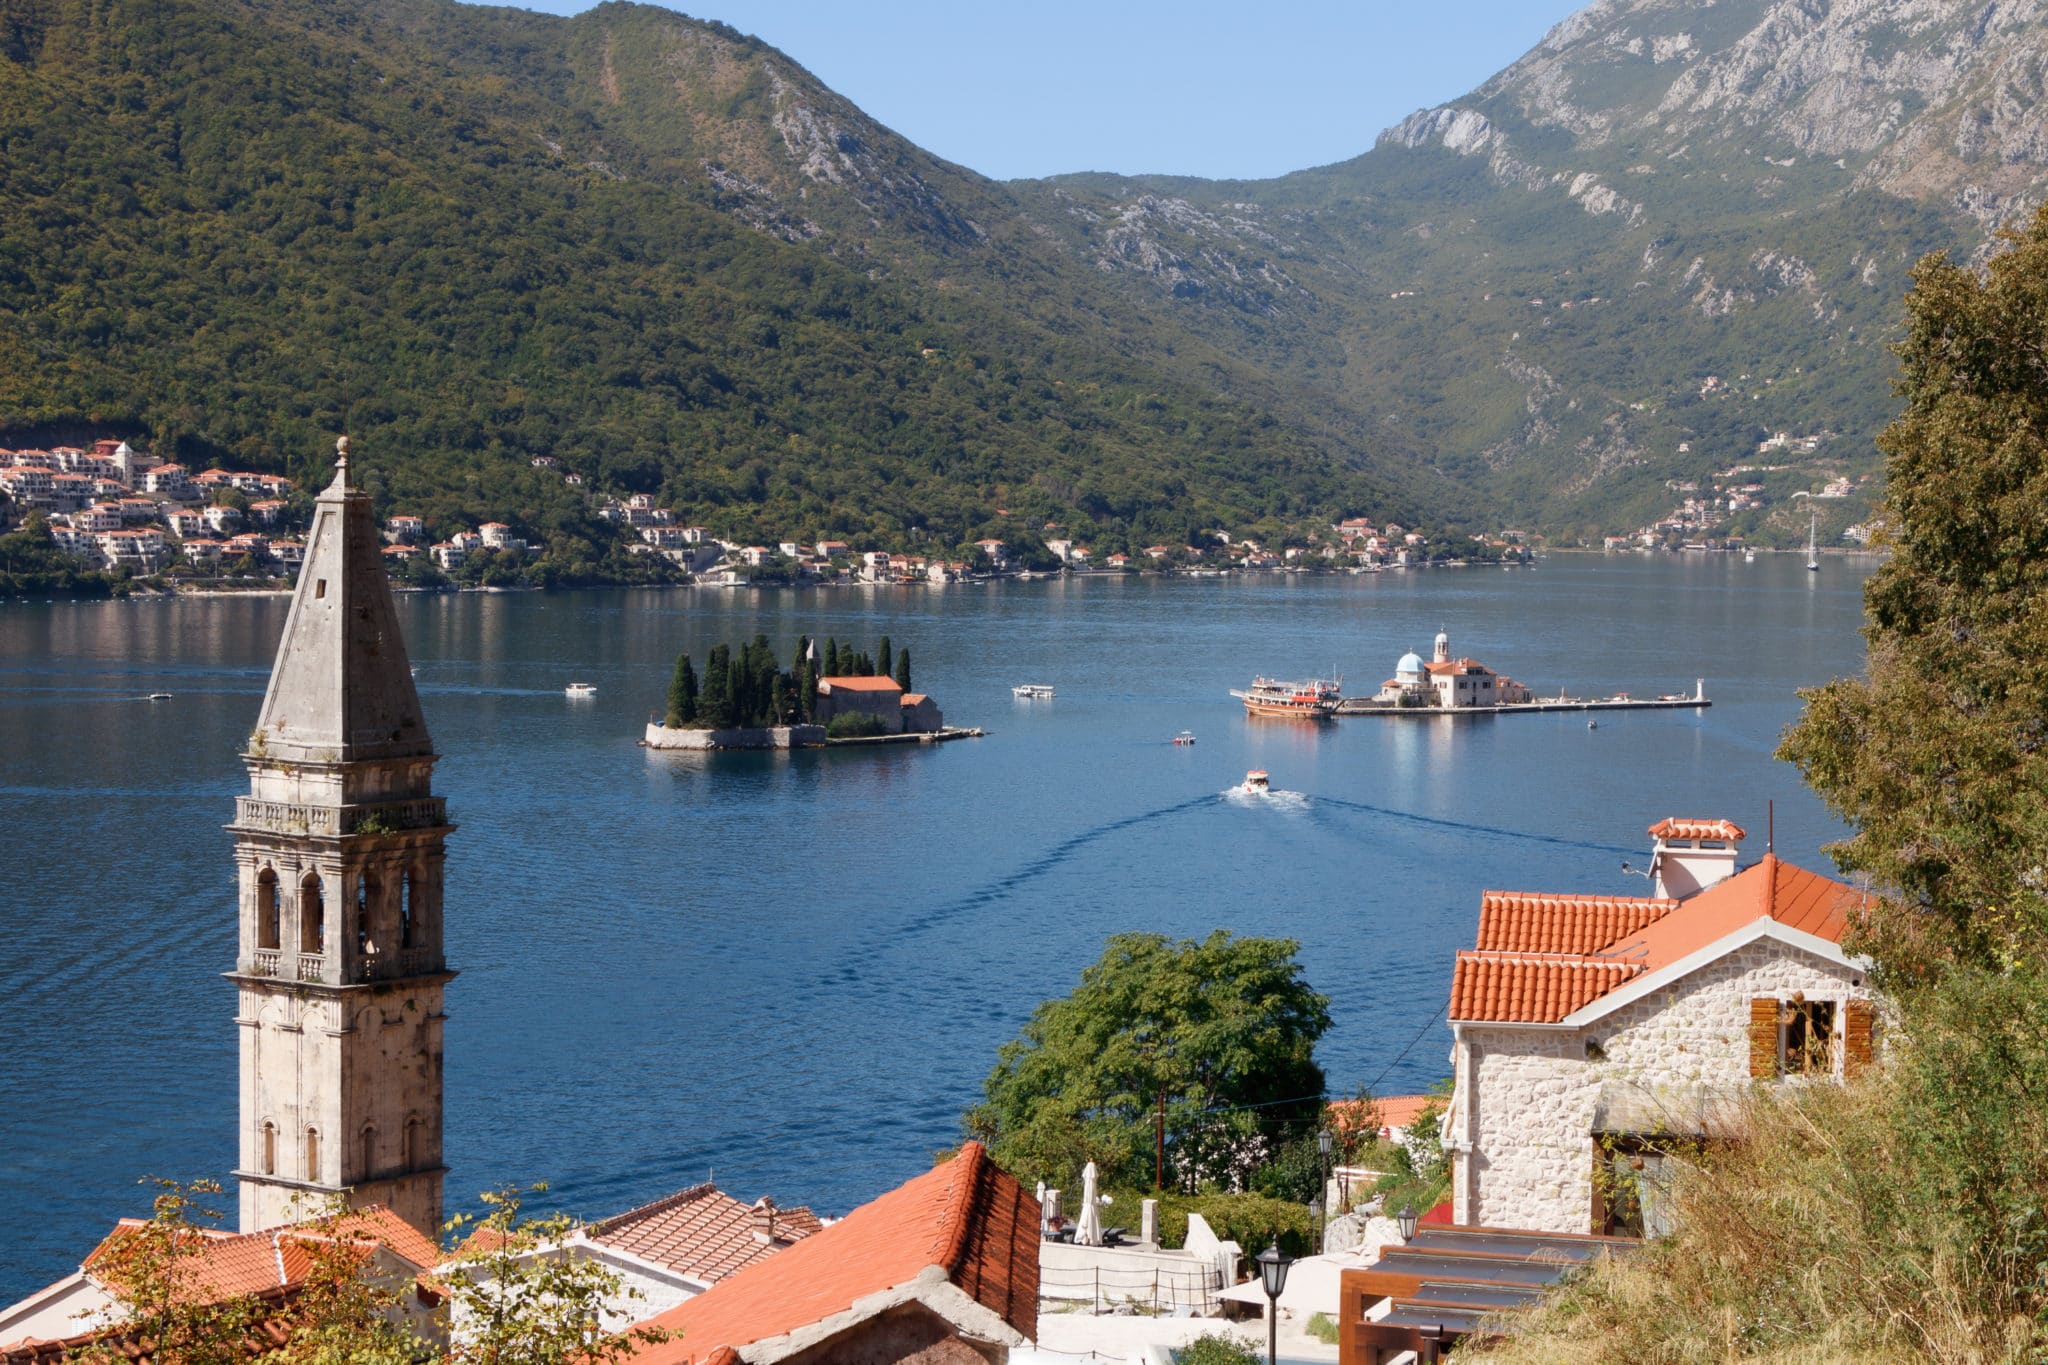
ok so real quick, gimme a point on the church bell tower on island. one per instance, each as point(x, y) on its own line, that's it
point(338, 846)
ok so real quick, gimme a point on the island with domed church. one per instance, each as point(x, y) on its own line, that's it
point(1440, 686)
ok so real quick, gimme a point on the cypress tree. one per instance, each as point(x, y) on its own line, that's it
point(884, 665)
point(903, 669)
point(831, 659)
point(682, 694)
point(806, 691)
point(863, 667)
point(714, 703)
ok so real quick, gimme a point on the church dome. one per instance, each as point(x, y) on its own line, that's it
point(1411, 663)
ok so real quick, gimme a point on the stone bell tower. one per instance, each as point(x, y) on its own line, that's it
point(339, 849)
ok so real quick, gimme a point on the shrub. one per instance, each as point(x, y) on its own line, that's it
point(1213, 1348)
point(854, 725)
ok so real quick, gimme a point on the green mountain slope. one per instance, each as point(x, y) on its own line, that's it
point(245, 226)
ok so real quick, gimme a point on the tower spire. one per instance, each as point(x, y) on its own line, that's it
point(339, 967)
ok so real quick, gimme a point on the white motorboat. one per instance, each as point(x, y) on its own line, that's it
point(1184, 737)
point(1256, 782)
point(1812, 549)
point(1033, 689)
point(579, 689)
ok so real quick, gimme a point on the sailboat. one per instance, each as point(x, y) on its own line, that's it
point(1812, 554)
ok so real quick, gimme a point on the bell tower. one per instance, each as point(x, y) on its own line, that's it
point(338, 846)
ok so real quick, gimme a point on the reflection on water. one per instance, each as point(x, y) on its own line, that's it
point(795, 968)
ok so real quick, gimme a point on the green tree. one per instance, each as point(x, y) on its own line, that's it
point(517, 1301)
point(149, 1271)
point(1939, 760)
point(807, 691)
point(1222, 1029)
point(715, 701)
point(884, 664)
point(831, 658)
point(903, 668)
point(682, 694)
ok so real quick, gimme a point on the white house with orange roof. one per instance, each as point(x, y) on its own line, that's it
point(1591, 1032)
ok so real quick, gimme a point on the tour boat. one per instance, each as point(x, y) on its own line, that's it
point(1184, 737)
point(1812, 551)
point(1033, 689)
point(576, 689)
point(1314, 699)
point(1255, 781)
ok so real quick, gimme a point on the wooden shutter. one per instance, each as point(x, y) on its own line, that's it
point(1857, 1020)
point(1763, 1036)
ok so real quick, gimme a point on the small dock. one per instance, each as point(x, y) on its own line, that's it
point(1360, 706)
point(950, 732)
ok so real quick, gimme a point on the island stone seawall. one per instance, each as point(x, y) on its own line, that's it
point(772, 737)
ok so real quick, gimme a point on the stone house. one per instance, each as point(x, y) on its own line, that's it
point(921, 715)
point(878, 697)
point(1591, 1034)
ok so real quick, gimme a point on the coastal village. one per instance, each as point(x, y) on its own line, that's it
point(1597, 1040)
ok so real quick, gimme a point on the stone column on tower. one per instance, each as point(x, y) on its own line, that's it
point(338, 846)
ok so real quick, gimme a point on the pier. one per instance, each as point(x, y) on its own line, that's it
point(1621, 701)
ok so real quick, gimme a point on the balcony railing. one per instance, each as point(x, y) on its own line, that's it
point(289, 817)
point(395, 966)
point(312, 967)
point(263, 962)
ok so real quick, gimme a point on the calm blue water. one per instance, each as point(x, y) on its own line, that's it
point(794, 970)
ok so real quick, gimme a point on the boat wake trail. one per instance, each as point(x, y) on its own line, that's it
point(853, 964)
point(1279, 800)
point(1495, 830)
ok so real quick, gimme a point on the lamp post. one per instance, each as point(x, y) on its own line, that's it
point(1324, 1143)
point(1406, 1218)
point(1315, 1218)
point(1273, 1264)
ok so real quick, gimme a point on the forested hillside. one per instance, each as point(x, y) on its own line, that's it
point(662, 253)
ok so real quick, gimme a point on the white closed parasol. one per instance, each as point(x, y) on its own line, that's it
point(1088, 1230)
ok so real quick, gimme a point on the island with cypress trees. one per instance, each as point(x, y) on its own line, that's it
point(830, 694)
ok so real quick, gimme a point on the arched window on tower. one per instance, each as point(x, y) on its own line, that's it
point(408, 932)
point(369, 1153)
point(313, 1155)
point(269, 934)
point(269, 1148)
point(367, 891)
point(312, 915)
point(412, 1144)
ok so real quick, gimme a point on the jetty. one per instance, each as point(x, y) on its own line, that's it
point(1620, 701)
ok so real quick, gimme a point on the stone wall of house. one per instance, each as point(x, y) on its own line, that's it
point(1526, 1097)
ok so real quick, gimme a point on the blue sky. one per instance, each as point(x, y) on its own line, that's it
point(1188, 88)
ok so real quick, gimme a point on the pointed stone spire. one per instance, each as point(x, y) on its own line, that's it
point(341, 690)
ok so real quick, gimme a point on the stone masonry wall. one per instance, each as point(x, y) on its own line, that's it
point(1536, 1090)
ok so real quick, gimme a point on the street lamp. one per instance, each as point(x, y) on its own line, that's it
point(1273, 1264)
point(1406, 1218)
point(1324, 1142)
point(1315, 1218)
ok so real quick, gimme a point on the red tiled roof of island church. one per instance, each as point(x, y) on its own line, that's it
point(1520, 922)
point(701, 1232)
point(1792, 896)
point(1502, 988)
point(861, 684)
point(915, 698)
point(967, 1218)
point(1677, 828)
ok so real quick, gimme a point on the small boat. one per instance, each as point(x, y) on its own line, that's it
point(1749, 556)
point(1184, 737)
point(1812, 550)
point(1256, 781)
point(158, 696)
point(1033, 689)
point(576, 689)
point(1592, 725)
point(1313, 700)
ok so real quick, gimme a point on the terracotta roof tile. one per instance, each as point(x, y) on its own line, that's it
point(1382, 1111)
point(1676, 828)
point(700, 1232)
point(1530, 990)
point(1794, 897)
point(1515, 922)
point(967, 1218)
point(861, 684)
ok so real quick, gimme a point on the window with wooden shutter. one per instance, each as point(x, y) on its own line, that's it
point(1763, 1036)
point(1858, 1019)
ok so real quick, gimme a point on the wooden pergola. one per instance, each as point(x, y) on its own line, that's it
point(1453, 1282)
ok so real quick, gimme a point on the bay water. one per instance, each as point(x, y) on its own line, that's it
point(790, 972)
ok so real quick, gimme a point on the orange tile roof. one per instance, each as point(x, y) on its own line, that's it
point(1541, 958)
point(971, 1221)
point(701, 1232)
point(858, 684)
point(914, 698)
point(1676, 828)
point(1530, 990)
point(230, 1264)
point(1514, 922)
point(1382, 1111)
point(1791, 895)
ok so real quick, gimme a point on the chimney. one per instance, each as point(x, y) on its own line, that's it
point(1691, 855)
point(762, 1219)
